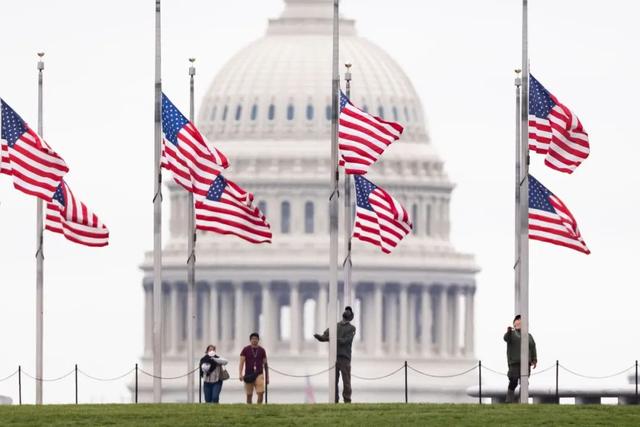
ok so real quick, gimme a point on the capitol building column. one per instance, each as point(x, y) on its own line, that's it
point(267, 330)
point(226, 317)
point(239, 337)
point(441, 324)
point(213, 308)
point(426, 321)
point(404, 320)
point(148, 318)
point(454, 320)
point(174, 319)
point(412, 316)
point(295, 310)
point(391, 319)
point(468, 320)
point(377, 317)
point(368, 309)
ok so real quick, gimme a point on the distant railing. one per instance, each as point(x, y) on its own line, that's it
point(627, 394)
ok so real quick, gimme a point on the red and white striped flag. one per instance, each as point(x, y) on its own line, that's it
point(70, 217)
point(229, 209)
point(380, 219)
point(551, 221)
point(555, 131)
point(5, 166)
point(185, 152)
point(36, 169)
point(362, 138)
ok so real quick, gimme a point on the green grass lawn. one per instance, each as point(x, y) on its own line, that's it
point(320, 415)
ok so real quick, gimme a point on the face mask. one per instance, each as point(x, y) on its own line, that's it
point(211, 353)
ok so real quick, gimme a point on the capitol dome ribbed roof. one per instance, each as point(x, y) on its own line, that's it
point(279, 86)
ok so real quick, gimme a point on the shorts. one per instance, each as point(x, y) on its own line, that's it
point(257, 385)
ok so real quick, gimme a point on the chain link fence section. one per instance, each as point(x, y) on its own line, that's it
point(9, 376)
point(271, 368)
point(197, 368)
point(380, 377)
point(485, 367)
point(474, 367)
point(542, 371)
point(119, 377)
point(48, 380)
point(597, 377)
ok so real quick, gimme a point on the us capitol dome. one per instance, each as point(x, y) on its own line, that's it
point(268, 110)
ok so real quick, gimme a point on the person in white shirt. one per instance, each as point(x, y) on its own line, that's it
point(212, 374)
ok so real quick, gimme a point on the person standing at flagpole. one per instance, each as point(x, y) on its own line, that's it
point(344, 338)
point(513, 337)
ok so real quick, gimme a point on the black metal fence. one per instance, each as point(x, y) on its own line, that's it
point(406, 368)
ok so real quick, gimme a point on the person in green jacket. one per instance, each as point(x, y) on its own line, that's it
point(346, 332)
point(512, 338)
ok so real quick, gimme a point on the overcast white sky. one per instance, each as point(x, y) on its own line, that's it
point(460, 56)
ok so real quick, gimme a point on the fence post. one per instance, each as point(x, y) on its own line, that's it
point(76, 369)
point(557, 375)
point(480, 382)
point(636, 381)
point(406, 384)
point(20, 383)
point(136, 395)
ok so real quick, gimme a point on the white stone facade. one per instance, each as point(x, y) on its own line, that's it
point(416, 304)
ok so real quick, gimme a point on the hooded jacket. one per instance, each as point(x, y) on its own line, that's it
point(346, 332)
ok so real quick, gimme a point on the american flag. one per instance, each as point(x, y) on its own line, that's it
point(185, 152)
point(555, 131)
point(380, 219)
point(36, 169)
point(228, 209)
point(362, 138)
point(550, 220)
point(70, 217)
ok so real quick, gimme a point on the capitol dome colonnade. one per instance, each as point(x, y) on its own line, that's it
point(266, 109)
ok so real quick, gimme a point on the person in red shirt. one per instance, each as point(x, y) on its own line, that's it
point(253, 368)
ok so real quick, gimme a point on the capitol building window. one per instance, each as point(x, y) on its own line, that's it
point(285, 217)
point(308, 217)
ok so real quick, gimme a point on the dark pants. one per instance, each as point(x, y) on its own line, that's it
point(514, 375)
point(212, 392)
point(343, 367)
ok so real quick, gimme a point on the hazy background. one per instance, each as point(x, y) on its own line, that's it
point(460, 56)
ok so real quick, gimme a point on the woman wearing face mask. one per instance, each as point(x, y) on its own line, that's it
point(211, 373)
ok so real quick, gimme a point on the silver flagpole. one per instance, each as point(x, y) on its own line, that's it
point(39, 259)
point(518, 178)
point(524, 215)
point(157, 224)
point(191, 261)
point(348, 218)
point(333, 208)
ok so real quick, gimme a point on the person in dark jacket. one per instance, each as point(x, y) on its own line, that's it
point(211, 373)
point(346, 332)
point(512, 338)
